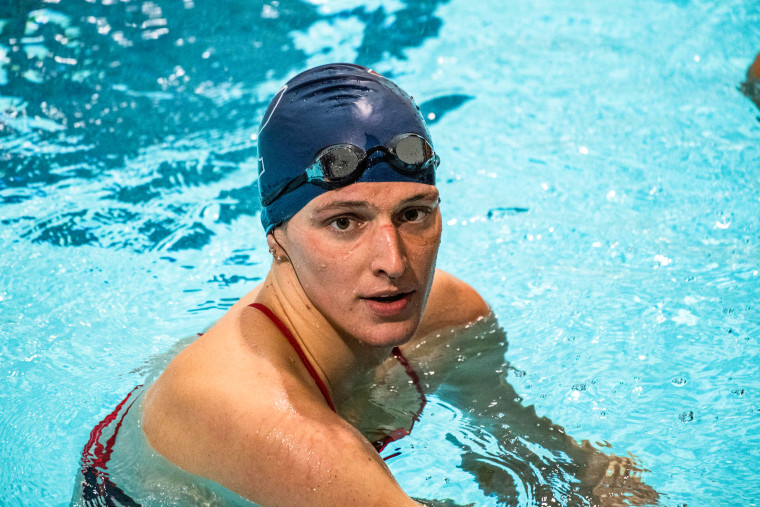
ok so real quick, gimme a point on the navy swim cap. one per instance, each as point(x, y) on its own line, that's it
point(321, 107)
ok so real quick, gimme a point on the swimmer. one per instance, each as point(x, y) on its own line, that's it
point(272, 401)
point(751, 87)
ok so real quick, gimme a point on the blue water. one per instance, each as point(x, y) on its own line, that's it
point(599, 181)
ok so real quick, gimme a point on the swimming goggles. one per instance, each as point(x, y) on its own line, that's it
point(341, 164)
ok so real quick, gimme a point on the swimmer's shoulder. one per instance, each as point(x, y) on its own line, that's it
point(451, 303)
point(235, 410)
point(241, 359)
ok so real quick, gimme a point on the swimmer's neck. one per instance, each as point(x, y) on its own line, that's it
point(341, 361)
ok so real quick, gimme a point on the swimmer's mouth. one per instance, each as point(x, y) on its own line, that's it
point(390, 298)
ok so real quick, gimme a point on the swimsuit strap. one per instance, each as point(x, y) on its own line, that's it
point(402, 432)
point(393, 436)
point(291, 339)
point(97, 486)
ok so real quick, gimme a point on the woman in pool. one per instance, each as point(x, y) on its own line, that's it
point(277, 400)
point(751, 87)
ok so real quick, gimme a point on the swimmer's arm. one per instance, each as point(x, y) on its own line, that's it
point(300, 453)
point(462, 341)
point(474, 378)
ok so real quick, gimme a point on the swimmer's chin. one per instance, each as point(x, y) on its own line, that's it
point(387, 322)
point(389, 334)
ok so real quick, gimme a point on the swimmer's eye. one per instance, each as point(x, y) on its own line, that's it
point(415, 214)
point(341, 223)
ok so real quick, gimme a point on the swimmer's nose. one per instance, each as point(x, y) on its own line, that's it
point(389, 256)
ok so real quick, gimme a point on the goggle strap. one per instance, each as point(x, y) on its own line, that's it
point(315, 171)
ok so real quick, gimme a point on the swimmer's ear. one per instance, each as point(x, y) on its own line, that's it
point(279, 253)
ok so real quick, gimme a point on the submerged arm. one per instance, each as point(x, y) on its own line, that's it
point(472, 375)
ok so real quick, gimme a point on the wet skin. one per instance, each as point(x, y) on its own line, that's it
point(353, 276)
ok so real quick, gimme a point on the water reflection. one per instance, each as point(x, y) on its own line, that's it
point(118, 76)
point(128, 110)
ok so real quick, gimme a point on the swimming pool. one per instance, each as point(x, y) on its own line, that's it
point(599, 183)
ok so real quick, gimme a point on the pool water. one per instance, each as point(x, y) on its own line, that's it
point(599, 186)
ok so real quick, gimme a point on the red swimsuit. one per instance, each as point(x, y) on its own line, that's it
point(394, 435)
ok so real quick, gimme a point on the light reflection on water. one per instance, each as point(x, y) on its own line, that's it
point(598, 183)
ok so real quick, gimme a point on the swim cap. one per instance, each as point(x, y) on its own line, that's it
point(324, 106)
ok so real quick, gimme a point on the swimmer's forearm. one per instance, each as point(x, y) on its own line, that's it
point(476, 382)
point(477, 385)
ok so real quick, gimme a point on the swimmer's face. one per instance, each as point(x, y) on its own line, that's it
point(365, 256)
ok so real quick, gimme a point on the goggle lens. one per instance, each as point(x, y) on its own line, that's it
point(413, 151)
point(339, 163)
point(408, 153)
